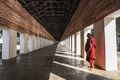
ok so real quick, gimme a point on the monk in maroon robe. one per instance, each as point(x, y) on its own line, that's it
point(90, 50)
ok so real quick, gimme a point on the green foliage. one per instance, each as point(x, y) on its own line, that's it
point(118, 24)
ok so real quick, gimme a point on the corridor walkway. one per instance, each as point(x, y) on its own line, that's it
point(51, 64)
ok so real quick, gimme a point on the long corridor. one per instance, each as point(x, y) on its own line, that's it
point(51, 64)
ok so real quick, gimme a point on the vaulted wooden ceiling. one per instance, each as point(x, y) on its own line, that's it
point(54, 15)
point(14, 16)
point(88, 12)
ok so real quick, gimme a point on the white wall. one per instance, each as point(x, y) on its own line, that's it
point(105, 37)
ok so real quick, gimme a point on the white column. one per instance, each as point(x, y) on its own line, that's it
point(48, 42)
point(82, 44)
point(38, 42)
point(78, 43)
point(31, 43)
point(65, 42)
point(73, 43)
point(41, 42)
point(9, 44)
point(105, 36)
point(24, 43)
point(35, 42)
point(45, 42)
point(70, 43)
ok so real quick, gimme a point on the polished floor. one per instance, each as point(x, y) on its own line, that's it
point(52, 63)
point(118, 55)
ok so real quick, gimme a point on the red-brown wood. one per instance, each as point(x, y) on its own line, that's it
point(88, 12)
point(14, 16)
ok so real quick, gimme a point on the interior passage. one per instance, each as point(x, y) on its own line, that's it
point(51, 63)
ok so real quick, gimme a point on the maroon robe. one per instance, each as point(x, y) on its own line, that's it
point(90, 50)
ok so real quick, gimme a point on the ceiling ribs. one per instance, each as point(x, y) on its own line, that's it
point(54, 15)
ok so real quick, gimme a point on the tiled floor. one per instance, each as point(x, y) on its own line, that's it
point(49, 64)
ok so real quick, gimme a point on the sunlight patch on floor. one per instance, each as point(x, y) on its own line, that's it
point(70, 57)
point(67, 52)
point(70, 66)
point(63, 52)
point(107, 74)
point(55, 77)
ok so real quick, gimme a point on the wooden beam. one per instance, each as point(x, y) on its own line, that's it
point(88, 12)
point(14, 16)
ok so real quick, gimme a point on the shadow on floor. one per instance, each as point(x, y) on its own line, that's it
point(33, 66)
point(38, 65)
point(68, 69)
point(67, 73)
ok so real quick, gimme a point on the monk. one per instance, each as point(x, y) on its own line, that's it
point(90, 50)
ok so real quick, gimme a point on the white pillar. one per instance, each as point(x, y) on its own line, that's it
point(38, 40)
point(65, 42)
point(45, 42)
point(35, 42)
point(78, 43)
point(48, 42)
point(9, 47)
point(70, 43)
point(24, 43)
point(31, 43)
point(37, 46)
point(41, 42)
point(105, 36)
point(82, 44)
point(73, 43)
